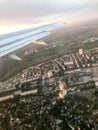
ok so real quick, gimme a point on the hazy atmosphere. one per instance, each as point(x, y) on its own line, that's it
point(48, 64)
point(29, 12)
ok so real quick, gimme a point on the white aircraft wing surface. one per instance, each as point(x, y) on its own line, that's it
point(16, 40)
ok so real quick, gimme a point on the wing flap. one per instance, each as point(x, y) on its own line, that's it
point(14, 57)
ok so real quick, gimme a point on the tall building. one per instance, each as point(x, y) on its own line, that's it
point(80, 51)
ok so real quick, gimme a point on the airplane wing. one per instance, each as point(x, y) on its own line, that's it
point(16, 40)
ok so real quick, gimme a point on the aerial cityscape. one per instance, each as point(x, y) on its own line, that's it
point(61, 91)
point(49, 73)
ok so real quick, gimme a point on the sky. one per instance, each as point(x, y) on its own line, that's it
point(17, 14)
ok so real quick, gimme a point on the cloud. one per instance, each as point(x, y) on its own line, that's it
point(32, 11)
